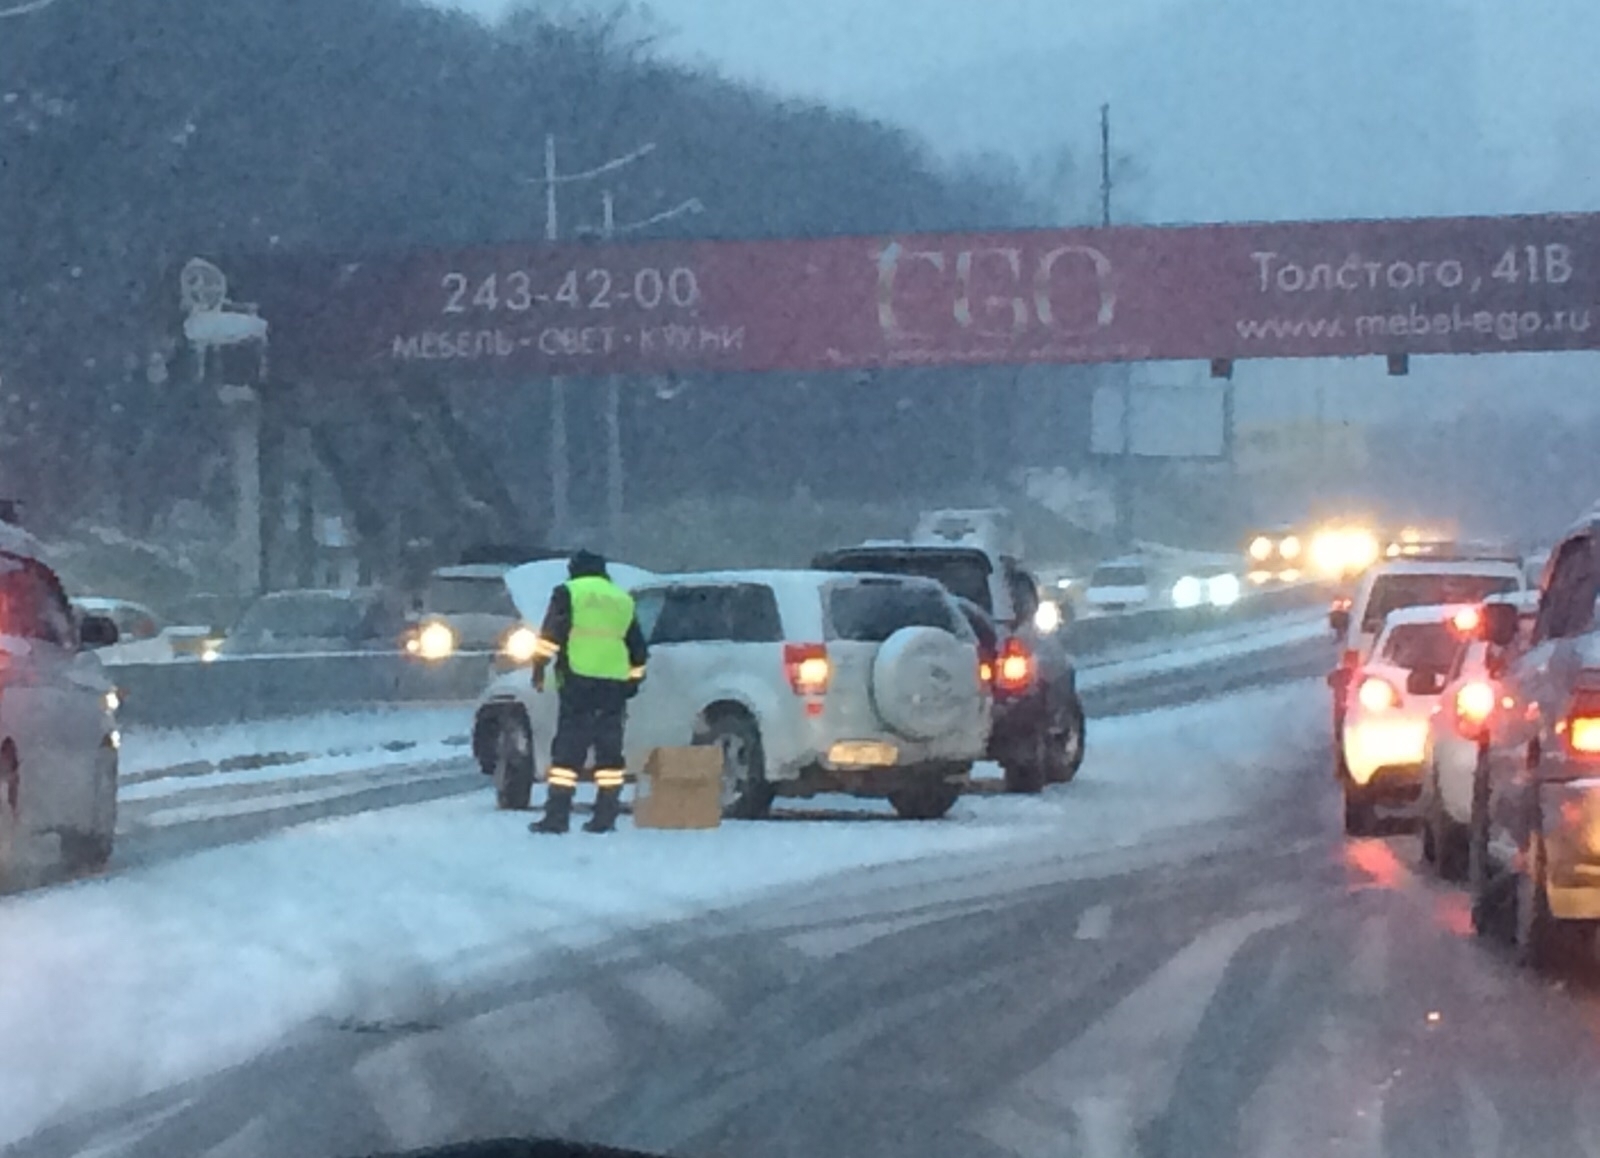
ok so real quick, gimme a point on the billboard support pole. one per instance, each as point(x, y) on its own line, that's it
point(1124, 489)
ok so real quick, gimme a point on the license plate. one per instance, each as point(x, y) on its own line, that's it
point(863, 754)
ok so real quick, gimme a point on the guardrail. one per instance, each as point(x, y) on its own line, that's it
point(1089, 636)
point(232, 689)
point(194, 694)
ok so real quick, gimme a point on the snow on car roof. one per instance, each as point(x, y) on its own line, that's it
point(484, 571)
point(1448, 567)
point(783, 578)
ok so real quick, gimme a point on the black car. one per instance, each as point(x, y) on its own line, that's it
point(1039, 727)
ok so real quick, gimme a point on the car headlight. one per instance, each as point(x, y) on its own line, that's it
point(1261, 549)
point(1223, 590)
point(436, 641)
point(1291, 547)
point(1047, 619)
point(210, 651)
point(521, 645)
point(113, 701)
point(1187, 592)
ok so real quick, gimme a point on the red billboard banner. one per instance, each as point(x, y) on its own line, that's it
point(1422, 286)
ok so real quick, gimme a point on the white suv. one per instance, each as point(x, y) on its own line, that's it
point(810, 682)
point(58, 737)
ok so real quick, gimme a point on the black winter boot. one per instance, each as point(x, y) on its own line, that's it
point(557, 813)
point(606, 806)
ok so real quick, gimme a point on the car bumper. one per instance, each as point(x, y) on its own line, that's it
point(1386, 753)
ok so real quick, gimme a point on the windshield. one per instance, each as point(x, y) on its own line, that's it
point(455, 596)
point(1394, 592)
point(1434, 646)
point(1118, 577)
point(1131, 340)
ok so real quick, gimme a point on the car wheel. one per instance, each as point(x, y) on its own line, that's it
point(1068, 745)
point(1025, 777)
point(10, 814)
point(746, 795)
point(1360, 814)
point(511, 753)
point(1444, 841)
point(931, 800)
point(1542, 941)
point(90, 851)
point(1482, 886)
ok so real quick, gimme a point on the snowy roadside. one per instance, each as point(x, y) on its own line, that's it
point(1170, 656)
point(186, 967)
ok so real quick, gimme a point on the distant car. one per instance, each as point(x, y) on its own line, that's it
point(1214, 587)
point(1039, 727)
point(1119, 585)
point(58, 732)
point(142, 636)
point(463, 609)
point(808, 681)
point(302, 622)
point(1391, 700)
point(1276, 555)
point(1471, 694)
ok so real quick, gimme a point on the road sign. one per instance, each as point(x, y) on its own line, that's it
point(1401, 287)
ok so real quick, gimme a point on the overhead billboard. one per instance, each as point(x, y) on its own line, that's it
point(1421, 286)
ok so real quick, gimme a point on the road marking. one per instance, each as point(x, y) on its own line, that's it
point(1118, 1074)
point(1094, 924)
point(273, 802)
point(675, 998)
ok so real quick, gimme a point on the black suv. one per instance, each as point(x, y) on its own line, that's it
point(1039, 727)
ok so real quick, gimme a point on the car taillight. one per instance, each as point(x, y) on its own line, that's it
point(1467, 621)
point(985, 673)
point(807, 667)
point(1583, 723)
point(1350, 660)
point(1474, 704)
point(1376, 695)
point(1014, 672)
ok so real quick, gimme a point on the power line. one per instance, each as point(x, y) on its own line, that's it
point(26, 7)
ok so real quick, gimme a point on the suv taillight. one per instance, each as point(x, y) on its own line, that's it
point(807, 667)
point(1582, 724)
point(1014, 670)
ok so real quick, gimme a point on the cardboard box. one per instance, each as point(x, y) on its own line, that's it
point(681, 788)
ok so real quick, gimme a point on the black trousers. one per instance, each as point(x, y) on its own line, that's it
point(592, 718)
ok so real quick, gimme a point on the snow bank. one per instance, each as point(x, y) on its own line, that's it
point(122, 986)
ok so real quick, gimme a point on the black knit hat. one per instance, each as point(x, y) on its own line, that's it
point(586, 564)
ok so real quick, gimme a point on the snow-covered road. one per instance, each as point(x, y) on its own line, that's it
point(188, 965)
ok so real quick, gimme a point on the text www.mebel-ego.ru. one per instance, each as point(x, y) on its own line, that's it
point(1503, 325)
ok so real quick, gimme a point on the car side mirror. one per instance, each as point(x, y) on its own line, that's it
point(1425, 681)
point(97, 631)
point(1339, 620)
point(1501, 623)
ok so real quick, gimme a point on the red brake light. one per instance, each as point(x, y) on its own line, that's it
point(1376, 695)
point(1582, 724)
point(1014, 672)
point(1467, 621)
point(808, 668)
point(1351, 659)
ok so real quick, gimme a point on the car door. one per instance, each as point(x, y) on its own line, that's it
point(658, 717)
point(52, 700)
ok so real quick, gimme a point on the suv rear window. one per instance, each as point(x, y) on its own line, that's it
point(964, 574)
point(870, 612)
point(1393, 592)
point(726, 613)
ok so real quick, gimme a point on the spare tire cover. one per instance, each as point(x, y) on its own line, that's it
point(925, 683)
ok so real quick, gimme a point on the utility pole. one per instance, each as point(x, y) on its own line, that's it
point(1124, 484)
point(616, 483)
point(560, 462)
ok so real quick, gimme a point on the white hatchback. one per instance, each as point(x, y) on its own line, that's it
point(58, 737)
point(1391, 701)
point(809, 682)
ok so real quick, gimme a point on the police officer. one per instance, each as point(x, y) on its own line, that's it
point(591, 633)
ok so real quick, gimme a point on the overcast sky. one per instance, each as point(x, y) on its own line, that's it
point(1500, 98)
